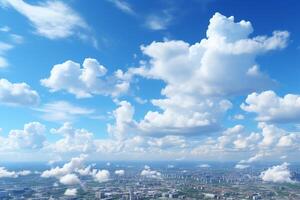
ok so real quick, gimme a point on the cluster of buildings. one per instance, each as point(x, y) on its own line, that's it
point(175, 183)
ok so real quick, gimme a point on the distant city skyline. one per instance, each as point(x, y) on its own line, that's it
point(211, 80)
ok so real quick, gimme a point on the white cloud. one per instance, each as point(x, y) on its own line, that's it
point(31, 137)
point(18, 39)
point(12, 40)
point(69, 179)
point(241, 166)
point(74, 140)
point(167, 142)
point(235, 138)
point(203, 67)
point(268, 143)
point(124, 122)
point(120, 172)
point(244, 142)
point(17, 94)
point(4, 173)
point(239, 117)
point(277, 174)
point(159, 21)
point(88, 171)
point(61, 111)
point(271, 108)
point(102, 176)
point(67, 174)
point(288, 140)
point(3, 48)
point(255, 158)
point(283, 157)
point(184, 115)
point(5, 29)
point(75, 164)
point(84, 82)
point(51, 19)
point(24, 173)
point(71, 192)
point(196, 76)
point(204, 165)
point(3, 62)
point(140, 100)
point(147, 172)
point(123, 6)
point(271, 134)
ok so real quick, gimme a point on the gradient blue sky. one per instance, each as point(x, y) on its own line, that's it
point(113, 33)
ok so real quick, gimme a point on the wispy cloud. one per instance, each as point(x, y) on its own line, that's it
point(62, 111)
point(123, 6)
point(159, 21)
point(53, 20)
point(3, 48)
point(4, 29)
point(11, 39)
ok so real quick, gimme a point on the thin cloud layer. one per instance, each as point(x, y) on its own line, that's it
point(52, 19)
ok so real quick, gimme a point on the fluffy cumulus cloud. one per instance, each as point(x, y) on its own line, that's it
point(236, 138)
point(183, 115)
point(85, 81)
point(277, 174)
point(31, 137)
point(58, 172)
point(124, 123)
point(74, 140)
point(203, 67)
point(173, 121)
point(69, 173)
point(69, 179)
point(269, 142)
point(271, 108)
point(197, 75)
point(120, 172)
point(71, 192)
point(199, 80)
point(51, 19)
point(149, 173)
point(17, 94)
point(4, 173)
point(102, 176)
point(277, 137)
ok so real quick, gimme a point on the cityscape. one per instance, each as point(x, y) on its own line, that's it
point(133, 180)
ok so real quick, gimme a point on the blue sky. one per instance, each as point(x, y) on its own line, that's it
point(119, 79)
